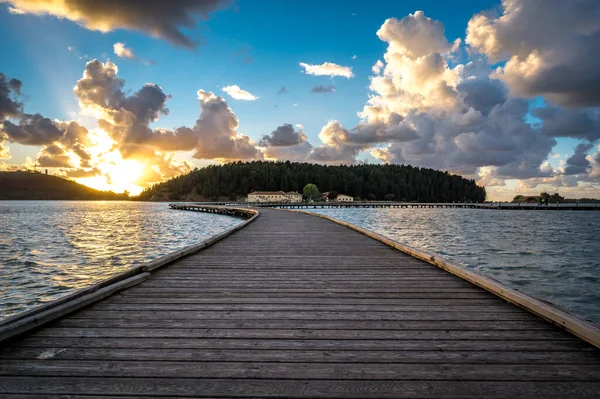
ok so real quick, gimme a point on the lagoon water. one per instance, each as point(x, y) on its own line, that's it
point(52, 248)
point(553, 256)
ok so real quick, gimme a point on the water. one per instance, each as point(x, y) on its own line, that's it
point(554, 256)
point(52, 248)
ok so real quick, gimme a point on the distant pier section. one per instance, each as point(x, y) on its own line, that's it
point(386, 204)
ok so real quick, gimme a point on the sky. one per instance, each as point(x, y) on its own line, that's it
point(119, 95)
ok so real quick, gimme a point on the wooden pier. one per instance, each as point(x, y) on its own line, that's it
point(424, 205)
point(293, 305)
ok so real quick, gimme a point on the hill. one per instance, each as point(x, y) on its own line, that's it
point(29, 186)
point(367, 182)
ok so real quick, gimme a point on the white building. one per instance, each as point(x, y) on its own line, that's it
point(344, 198)
point(274, 196)
point(294, 196)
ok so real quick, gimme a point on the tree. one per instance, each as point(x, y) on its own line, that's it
point(556, 198)
point(310, 191)
point(332, 195)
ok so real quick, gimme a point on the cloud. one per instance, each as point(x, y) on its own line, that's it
point(578, 163)
point(216, 130)
point(126, 118)
point(15, 11)
point(122, 51)
point(482, 94)
point(54, 156)
point(285, 143)
point(4, 149)
point(32, 130)
point(71, 48)
point(155, 18)
point(414, 35)
point(283, 90)
point(560, 64)
point(428, 114)
point(323, 89)
point(238, 94)
point(283, 136)
point(327, 69)
point(10, 90)
point(377, 67)
point(577, 124)
point(354, 57)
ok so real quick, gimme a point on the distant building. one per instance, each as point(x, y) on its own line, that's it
point(294, 196)
point(344, 198)
point(339, 198)
point(274, 196)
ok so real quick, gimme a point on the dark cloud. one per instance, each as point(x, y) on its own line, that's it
point(32, 130)
point(53, 156)
point(323, 89)
point(10, 89)
point(158, 18)
point(482, 94)
point(578, 124)
point(283, 136)
point(578, 162)
point(550, 46)
point(297, 153)
point(79, 173)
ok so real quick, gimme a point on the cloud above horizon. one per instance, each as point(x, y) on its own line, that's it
point(154, 18)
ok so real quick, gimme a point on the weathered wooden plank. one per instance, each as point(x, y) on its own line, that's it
point(303, 356)
point(314, 371)
point(291, 301)
point(497, 307)
point(307, 344)
point(462, 294)
point(293, 388)
point(245, 333)
point(299, 315)
point(420, 325)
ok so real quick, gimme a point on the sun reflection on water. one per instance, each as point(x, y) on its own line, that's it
point(51, 248)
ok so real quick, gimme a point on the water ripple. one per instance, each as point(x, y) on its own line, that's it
point(51, 248)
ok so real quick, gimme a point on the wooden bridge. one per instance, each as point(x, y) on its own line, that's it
point(293, 305)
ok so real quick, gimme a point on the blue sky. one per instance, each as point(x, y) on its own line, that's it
point(258, 45)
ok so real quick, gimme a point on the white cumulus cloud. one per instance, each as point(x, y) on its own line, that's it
point(238, 94)
point(122, 51)
point(327, 69)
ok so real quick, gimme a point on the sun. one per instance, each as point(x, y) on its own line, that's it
point(118, 175)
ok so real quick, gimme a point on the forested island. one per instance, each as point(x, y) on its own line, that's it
point(26, 185)
point(234, 181)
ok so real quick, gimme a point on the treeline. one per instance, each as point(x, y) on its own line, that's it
point(27, 185)
point(552, 199)
point(367, 182)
